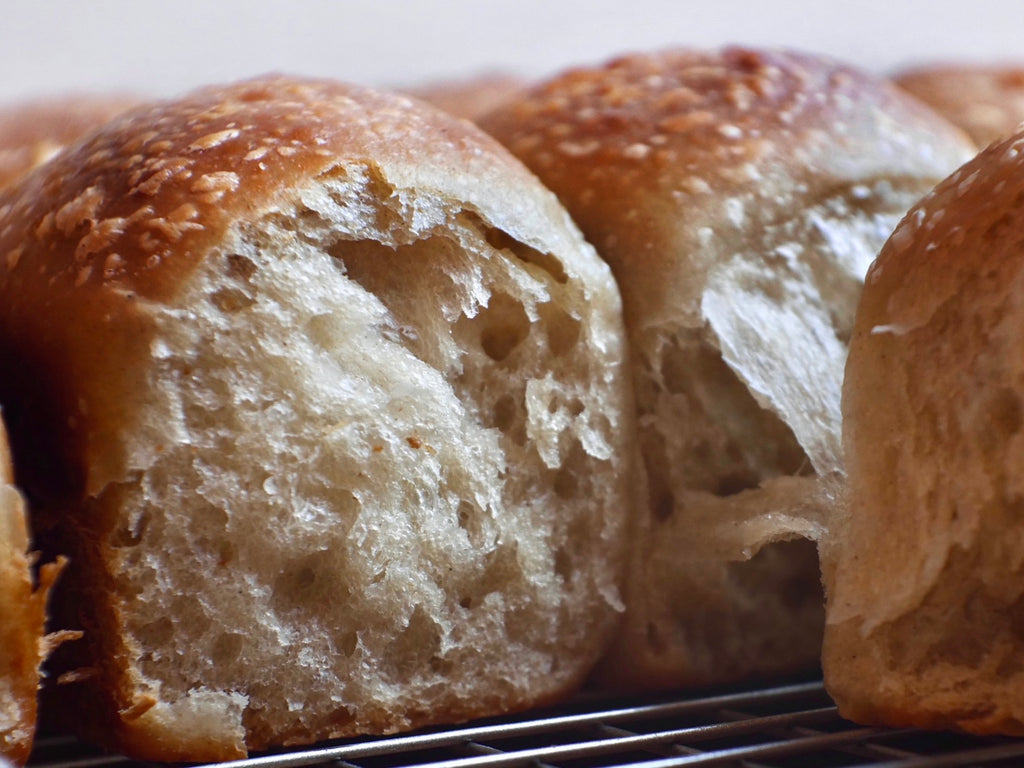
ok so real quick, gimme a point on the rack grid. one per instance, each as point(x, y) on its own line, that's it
point(793, 725)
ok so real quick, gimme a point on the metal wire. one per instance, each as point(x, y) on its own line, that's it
point(786, 726)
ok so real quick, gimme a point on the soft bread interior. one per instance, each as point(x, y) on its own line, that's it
point(373, 483)
point(739, 423)
point(20, 634)
point(23, 593)
point(756, 386)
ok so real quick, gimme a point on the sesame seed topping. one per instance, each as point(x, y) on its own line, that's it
point(637, 151)
point(579, 148)
point(257, 154)
point(211, 140)
point(13, 256)
point(79, 210)
point(216, 182)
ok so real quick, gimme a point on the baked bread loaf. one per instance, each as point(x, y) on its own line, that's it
point(925, 569)
point(739, 197)
point(470, 98)
point(323, 394)
point(23, 643)
point(33, 132)
point(985, 101)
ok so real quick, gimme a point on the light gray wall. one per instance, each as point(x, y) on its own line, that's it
point(56, 46)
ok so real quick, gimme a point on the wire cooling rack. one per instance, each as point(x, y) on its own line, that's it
point(787, 726)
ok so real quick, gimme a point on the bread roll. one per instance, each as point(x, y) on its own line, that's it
point(470, 98)
point(739, 197)
point(324, 395)
point(33, 132)
point(23, 644)
point(985, 101)
point(925, 578)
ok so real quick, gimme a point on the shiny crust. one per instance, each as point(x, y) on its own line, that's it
point(985, 101)
point(650, 143)
point(925, 586)
point(33, 132)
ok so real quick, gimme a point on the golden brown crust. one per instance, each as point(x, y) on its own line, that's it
point(163, 179)
point(471, 98)
point(171, 177)
point(985, 101)
point(33, 132)
point(925, 577)
point(648, 143)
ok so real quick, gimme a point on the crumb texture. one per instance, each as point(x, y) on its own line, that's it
point(22, 617)
point(391, 444)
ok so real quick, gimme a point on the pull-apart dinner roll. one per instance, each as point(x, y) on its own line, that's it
point(985, 101)
point(926, 584)
point(739, 197)
point(322, 393)
point(33, 132)
point(472, 97)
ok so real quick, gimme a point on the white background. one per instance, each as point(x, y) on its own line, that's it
point(162, 48)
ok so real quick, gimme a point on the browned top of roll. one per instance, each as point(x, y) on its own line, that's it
point(470, 98)
point(656, 149)
point(985, 101)
point(33, 132)
point(168, 178)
